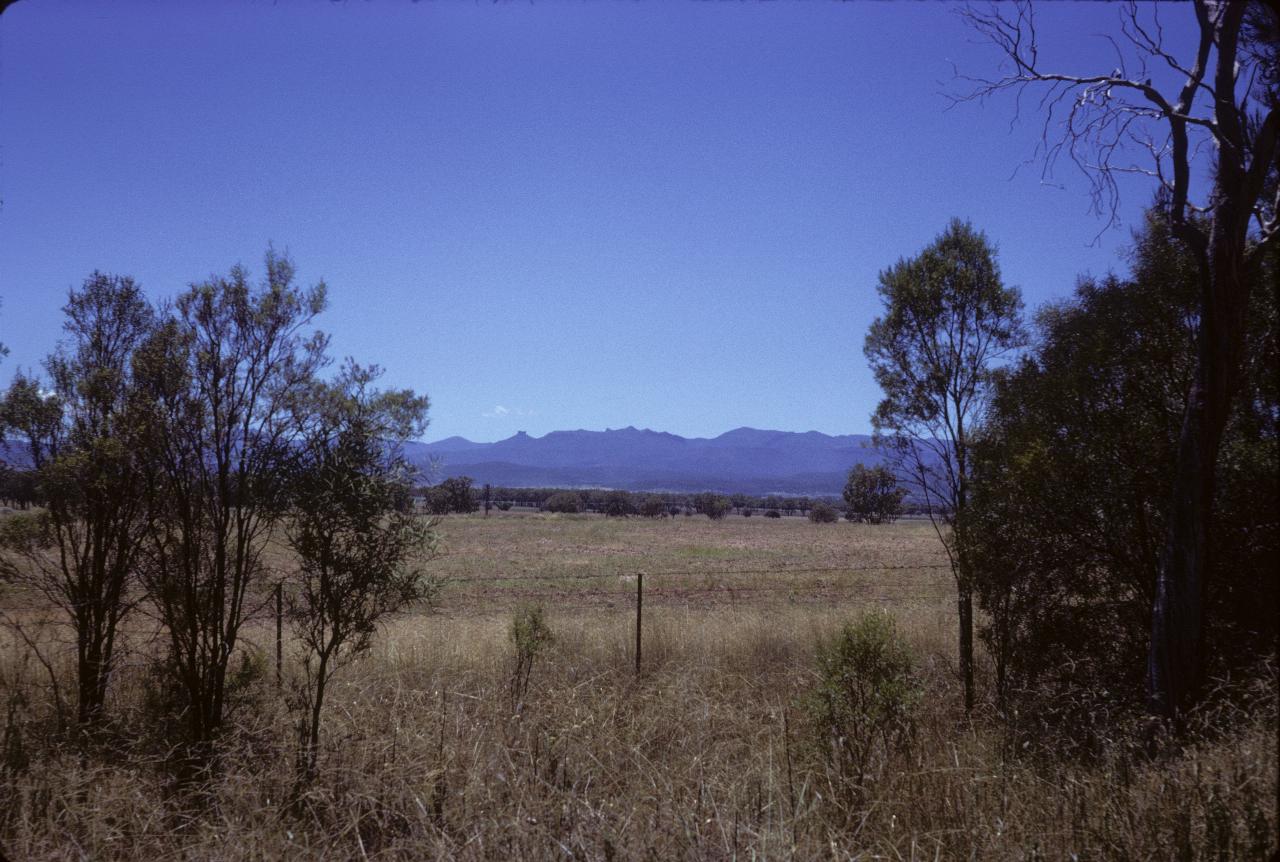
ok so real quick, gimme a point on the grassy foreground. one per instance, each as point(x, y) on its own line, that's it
point(710, 754)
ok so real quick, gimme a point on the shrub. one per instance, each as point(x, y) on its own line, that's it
point(862, 705)
point(772, 513)
point(821, 513)
point(530, 635)
point(503, 505)
point(566, 501)
point(653, 506)
point(618, 504)
point(872, 495)
point(747, 512)
point(714, 506)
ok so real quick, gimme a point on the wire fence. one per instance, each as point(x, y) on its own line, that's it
point(656, 573)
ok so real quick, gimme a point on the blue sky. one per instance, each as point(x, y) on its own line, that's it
point(544, 215)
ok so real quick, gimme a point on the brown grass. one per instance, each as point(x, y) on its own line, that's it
point(709, 755)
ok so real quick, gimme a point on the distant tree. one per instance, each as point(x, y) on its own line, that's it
point(821, 513)
point(653, 507)
point(82, 551)
point(487, 496)
point(948, 322)
point(359, 552)
point(18, 487)
point(872, 495)
point(452, 495)
point(220, 376)
point(714, 506)
point(617, 504)
point(566, 502)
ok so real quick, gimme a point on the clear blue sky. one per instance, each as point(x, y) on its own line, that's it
point(544, 215)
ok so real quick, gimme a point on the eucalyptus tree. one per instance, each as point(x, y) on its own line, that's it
point(80, 432)
point(1152, 115)
point(222, 375)
point(358, 543)
point(948, 323)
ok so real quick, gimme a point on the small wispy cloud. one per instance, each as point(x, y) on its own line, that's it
point(501, 412)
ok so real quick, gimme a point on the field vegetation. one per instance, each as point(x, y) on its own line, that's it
point(722, 748)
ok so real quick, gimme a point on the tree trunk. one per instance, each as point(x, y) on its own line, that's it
point(1175, 663)
point(313, 732)
point(966, 641)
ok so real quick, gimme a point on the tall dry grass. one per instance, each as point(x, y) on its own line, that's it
point(709, 755)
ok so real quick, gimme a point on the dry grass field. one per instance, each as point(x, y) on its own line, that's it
point(711, 753)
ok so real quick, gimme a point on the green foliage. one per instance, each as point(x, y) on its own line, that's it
point(772, 513)
point(861, 706)
point(359, 551)
point(221, 377)
point(653, 507)
point(566, 502)
point(872, 495)
point(81, 433)
point(821, 513)
point(1067, 579)
point(452, 495)
point(530, 636)
point(948, 323)
point(948, 320)
point(714, 506)
point(617, 504)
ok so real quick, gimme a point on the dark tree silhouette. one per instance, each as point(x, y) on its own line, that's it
point(1227, 102)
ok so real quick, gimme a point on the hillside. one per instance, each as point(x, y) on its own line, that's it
point(745, 460)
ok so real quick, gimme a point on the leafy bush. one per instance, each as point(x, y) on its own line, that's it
point(451, 495)
point(773, 513)
point(653, 507)
point(566, 501)
point(714, 506)
point(862, 705)
point(872, 495)
point(530, 635)
point(618, 504)
point(821, 513)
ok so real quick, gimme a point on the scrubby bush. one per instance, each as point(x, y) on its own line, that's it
point(618, 504)
point(714, 506)
point(821, 513)
point(566, 501)
point(861, 707)
point(530, 635)
point(872, 495)
point(451, 495)
point(772, 513)
point(653, 507)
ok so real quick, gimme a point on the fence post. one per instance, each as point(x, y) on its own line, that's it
point(639, 612)
point(279, 634)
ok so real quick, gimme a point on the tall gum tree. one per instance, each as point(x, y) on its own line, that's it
point(948, 322)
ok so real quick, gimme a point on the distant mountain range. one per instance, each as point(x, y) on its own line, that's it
point(745, 460)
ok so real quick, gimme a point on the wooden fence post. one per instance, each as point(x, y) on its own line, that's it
point(639, 612)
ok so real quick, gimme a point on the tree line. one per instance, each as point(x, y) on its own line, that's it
point(871, 495)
